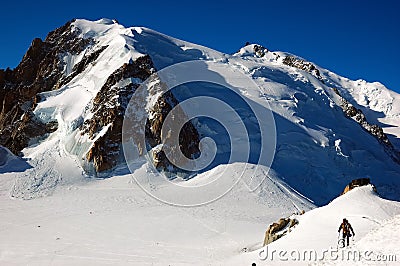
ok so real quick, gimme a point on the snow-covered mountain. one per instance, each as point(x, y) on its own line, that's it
point(96, 66)
point(64, 113)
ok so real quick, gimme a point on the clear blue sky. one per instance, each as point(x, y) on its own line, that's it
point(356, 39)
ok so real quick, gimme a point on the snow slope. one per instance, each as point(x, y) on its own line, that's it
point(11, 163)
point(374, 220)
point(112, 221)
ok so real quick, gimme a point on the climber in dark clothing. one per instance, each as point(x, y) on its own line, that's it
point(345, 226)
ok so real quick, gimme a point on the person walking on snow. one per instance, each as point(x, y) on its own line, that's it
point(345, 226)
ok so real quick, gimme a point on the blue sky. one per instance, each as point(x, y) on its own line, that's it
point(356, 39)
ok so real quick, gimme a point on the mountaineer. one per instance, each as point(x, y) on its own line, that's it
point(346, 227)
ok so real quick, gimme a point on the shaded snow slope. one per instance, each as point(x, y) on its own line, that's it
point(10, 163)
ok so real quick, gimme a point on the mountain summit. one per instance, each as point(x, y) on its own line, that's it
point(63, 108)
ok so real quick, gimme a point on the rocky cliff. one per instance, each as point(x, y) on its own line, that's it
point(40, 70)
point(44, 68)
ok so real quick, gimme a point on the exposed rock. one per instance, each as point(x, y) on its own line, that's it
point(279, 229)
point(357, 183)
point(303, 65)
point(40, 69)
point(188, 138)
point(259, 50)
point(351, 112)
point(23, 131)
point(109, 108)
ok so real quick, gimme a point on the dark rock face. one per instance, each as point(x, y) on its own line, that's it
point(24, 130)
point(189, 138)
point(259, 50)
point(351, 112)
point(303, 65)
point(40, 69)
point(108, 110)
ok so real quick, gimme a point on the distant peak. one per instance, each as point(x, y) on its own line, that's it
point(252, 49)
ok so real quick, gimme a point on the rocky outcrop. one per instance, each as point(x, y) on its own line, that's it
point(109, 108)
point(357, 183)
point(24, 130)
point(279, 229)
point(259, 50)
point(351, 112)
point(40, 69)
point(188, 138)
point(303, 65)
